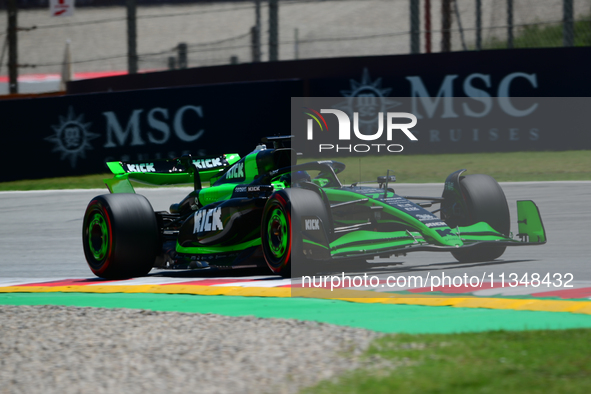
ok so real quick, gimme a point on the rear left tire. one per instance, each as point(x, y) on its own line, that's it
point(120, 236)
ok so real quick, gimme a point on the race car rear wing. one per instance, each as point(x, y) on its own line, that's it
point(162, 172)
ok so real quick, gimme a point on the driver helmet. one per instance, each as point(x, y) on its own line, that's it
point(300, 176)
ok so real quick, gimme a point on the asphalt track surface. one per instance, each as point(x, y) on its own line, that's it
point(40, 235)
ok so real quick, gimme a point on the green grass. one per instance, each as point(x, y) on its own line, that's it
point(544, 36)
point(504, 167)
point(489, 362)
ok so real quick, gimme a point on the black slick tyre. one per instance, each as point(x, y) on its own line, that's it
point(120, 236)
point(485, 202)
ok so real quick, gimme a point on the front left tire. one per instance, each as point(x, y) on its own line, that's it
point(280, 228)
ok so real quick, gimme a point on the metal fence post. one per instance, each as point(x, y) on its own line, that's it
point(509, 24)
point(182, 51)
point(415, 29)
point(458, 17)
point(255, 45)
point(446, 25)
point(427, 26)
point(12, 47)
point(171, 62)
point(256, 34)
point(568, 36)
point(273, 30)
point(478, 25)
point(296, 43)
point(132, 59)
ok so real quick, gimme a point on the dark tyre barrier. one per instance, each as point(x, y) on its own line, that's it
point(120, 236)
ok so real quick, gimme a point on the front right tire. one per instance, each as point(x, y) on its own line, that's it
point(486, 202)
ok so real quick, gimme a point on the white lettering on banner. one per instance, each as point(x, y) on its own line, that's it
point(455, 135)
point(434, 136)
point(207, 220)
point(157, 119)
point(445, 95)
point(159, 125)
point(114, 127)
point(178, 123)
point(446, 92)
point(478, 95)
point(493, 134)
point(312, 224)
point(237, 171)
point(504, 94)
point(475, 135)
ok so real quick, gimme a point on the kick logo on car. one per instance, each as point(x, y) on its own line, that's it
point(312, 224)
point(142, 167)
point(236, 172)
point(208, 220)
point(210, 162)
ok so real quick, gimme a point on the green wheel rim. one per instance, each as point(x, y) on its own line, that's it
point(98, 236)
point(277, 233)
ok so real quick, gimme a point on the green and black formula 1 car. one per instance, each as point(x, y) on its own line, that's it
point(263, 209)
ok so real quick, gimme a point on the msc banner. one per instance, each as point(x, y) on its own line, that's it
point(77, 134)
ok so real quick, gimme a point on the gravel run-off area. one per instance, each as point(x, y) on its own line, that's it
point(58, 349)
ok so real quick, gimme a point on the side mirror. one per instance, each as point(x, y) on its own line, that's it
point(386, 179)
